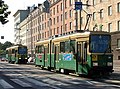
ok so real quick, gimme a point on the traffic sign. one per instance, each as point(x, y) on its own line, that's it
point(78, 5)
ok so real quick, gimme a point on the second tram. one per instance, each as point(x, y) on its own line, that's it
point(85, 53)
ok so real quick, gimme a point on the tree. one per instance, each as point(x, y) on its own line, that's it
point(4, 46)
point(3, 12)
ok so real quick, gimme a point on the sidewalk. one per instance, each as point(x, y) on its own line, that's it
point(114, 78)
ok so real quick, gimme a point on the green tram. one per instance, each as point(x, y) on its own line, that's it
point(17, 54)
point(85, 53)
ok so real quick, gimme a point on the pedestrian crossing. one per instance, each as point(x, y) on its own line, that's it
point(49, 83)
point(5, 85)
point(27, 83)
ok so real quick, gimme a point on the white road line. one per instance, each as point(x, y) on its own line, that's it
point(89, 82)
point(36, 82)
point(53, 82)
point(5, 85)
point(109, 85)
point(21, 83)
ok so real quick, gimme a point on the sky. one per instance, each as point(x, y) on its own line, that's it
point(7, 30)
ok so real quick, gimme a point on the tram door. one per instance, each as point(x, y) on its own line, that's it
point(82, 55)
point(45, 56)
point(56, 58)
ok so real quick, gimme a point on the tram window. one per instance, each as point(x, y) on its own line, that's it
point(72, 46)
point(7, 52)
point(62, 47)
point(48, 48)
point(41, 49)
point(36, 49)
point(16, 51)
point(52, 48)
point(85, 52)
point(13, 50)
point(67, 46)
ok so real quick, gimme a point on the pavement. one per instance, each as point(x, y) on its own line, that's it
point(114, 77)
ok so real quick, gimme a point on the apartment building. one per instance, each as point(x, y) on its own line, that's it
point(96, 15)
point(23, 32)
point(19, 16)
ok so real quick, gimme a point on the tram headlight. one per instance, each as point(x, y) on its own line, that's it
point(20, 58)
point(26, 58)
point(95, 64)
point(109, 64)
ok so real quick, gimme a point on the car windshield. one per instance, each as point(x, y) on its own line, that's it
point(100, 43)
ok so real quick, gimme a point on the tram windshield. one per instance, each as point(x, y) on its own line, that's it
point(22, 50)
point(100, 43)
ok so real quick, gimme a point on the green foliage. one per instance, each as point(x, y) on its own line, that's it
point(3, 12)
point(4, 46)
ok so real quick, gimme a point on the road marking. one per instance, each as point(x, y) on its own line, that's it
point(89, 82)
point(109, 85)
point(53, 82)
point(5, 85)
point(21, 83)
point(36, 82)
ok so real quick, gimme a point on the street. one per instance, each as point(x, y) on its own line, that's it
point(21, 76)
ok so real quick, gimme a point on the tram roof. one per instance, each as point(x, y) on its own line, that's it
point(11, 47)
point(83, 34)
point(72, 36)
point(42, 42)
point(15, 46)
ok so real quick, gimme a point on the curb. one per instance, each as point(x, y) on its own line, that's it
point(116, 82)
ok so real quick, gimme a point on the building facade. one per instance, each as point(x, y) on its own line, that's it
point(19, 16)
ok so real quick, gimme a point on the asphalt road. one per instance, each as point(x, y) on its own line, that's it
point(14, 76)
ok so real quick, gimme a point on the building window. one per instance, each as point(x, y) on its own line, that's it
point(70, 13)
point(118, 43)
point(94, 16)
point(101, 0)
point(61, 17)
point(65, 27)
point(50, 21)
point(57, 8)
point(65, 3)
point(119, 25)
point(65, 15)
point(101, 13)
point(110, 10)
point(61, 6)
point(57, 18)
point(54, 20)
point(109, 27)
point(61, 29)
point(70, 2)
point(118, 7)
point(57, 30)
point(54, 11)
point(70, 25)
point(94, 2)
point(54, 31)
